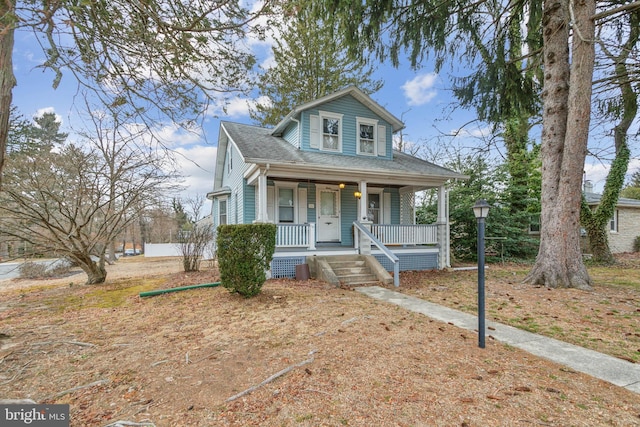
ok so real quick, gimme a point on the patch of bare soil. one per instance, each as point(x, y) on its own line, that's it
point(324, 356)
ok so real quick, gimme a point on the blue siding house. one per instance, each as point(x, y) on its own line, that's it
point(329, 177)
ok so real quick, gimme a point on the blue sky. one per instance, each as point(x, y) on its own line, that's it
point(421, 98)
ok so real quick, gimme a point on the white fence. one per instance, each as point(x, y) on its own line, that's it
point(154, 250)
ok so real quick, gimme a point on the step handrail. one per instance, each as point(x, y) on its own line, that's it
point(385, 250)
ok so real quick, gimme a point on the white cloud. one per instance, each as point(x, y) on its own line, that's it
point(473, 133)
point(196, 164)
point(235, 107)
point(42, 111)
point(420, 90)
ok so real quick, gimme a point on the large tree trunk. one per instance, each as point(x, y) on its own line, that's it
point(566, 117)
point(7, 78)
point(96, 272)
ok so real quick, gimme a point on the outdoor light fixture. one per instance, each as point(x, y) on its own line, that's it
point(481, 210)
point(357, 194)
point(341, 185)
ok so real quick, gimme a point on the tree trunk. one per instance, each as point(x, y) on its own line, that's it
point(7, 78)
point(596, 222)
point(96, 272)
point(566, 116)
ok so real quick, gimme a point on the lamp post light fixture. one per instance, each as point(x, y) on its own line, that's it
point(481, 210)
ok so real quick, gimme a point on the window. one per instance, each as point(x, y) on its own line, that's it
point(330, 133)
point(366, 136)
point(222, 211)
point(534, 224)
point(613, 222)
point(373, 211)
point(229, 158)
point(285, 205)
point(325, 131)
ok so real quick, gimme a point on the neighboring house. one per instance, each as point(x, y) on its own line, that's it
point(624, 226)
point(326, 173)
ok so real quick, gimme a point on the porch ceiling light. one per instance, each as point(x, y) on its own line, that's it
point(357, 194)
point(341, 185)
point(481, 209)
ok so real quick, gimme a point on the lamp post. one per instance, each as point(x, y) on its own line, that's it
point(481, 210)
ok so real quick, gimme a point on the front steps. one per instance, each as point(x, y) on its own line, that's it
point(349, 270)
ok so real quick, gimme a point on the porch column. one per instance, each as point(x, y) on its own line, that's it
point(443, 228)
point(262, 198)
point(363, 208)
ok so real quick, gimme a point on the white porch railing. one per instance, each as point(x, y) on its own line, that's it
point(296, 236)
point(396, 234)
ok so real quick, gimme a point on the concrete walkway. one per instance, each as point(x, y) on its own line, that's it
point(598, 365)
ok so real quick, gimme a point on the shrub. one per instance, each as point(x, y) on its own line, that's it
point(636, 244)
point(37, 270)
point(244, 255)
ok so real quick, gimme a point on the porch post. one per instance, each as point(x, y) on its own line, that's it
point(262, 198)
point(443, 233)
point(363, 208)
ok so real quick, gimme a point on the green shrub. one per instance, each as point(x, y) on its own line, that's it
point(636, 244)
point(244, 255)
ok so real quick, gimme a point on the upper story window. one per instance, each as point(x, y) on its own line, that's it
point(326, 131)
point(229, 158)
point(366, 131)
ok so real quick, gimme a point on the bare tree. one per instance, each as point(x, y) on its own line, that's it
point(75, 200)
point(195, 236)
point(161, 58)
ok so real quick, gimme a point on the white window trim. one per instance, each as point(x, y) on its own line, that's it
point(614, 220)
point(380, 191)
point(226, 200)
point(289, 185)
point(370, 122)
point(229, 158)
point(329, 115)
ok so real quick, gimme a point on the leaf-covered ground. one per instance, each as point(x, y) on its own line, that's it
point(175, 359)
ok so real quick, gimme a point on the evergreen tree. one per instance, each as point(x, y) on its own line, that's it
point(310, 62)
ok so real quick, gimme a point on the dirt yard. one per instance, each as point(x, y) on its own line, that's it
point(326, 356)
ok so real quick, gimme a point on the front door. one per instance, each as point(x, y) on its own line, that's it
point(328, 227)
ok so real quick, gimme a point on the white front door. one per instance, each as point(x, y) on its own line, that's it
point(328, 202)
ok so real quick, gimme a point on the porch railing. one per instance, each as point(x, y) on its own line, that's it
point(296, 236)
point(396, 234)
point(359, 228)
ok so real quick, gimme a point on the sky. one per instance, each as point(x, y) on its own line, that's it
point(420, 98)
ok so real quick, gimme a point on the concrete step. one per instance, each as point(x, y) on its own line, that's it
point(358, 279)
point(340, 271)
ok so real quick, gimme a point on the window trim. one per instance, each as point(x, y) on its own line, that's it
point(613, 222)
point(531, 223)
point(278, 185)
point(224, 199)
point(329, 115)
point(374, 124)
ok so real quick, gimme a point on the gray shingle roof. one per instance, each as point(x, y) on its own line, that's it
point(257, 145)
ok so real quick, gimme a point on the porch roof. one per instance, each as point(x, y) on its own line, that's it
point(258, 146)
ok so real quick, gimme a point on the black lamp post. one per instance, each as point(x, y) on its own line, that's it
point(481, 210)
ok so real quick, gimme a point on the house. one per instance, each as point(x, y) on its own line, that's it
point(624, 226)
point(329, 177)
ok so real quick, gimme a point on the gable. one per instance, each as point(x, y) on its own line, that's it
point(346, 126)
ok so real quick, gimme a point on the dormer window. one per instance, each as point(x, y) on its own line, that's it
point(330, 133)
point(326, 131)
point(367, 136)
